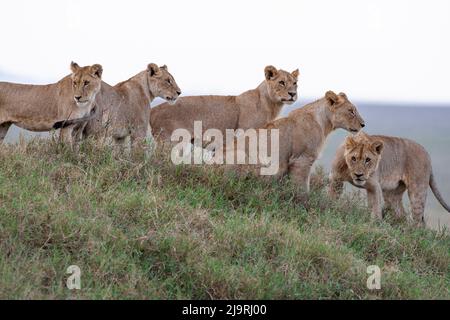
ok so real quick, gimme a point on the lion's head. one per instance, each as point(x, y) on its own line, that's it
point(86, 83)
point(281, 85)
point(162, 84)
point(362, 155)
point(344, 114)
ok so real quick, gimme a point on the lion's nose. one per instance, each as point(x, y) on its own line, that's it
point(363, 125)
point(292, 94)
point(178, 92)
point(77, 98)
point(359, 175)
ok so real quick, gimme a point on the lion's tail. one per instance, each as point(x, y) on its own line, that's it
point(437, 194)
point(67, 123)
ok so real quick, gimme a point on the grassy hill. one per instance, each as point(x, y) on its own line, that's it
point(427, 125)
point(150, 230)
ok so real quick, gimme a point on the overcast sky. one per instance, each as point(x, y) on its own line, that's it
point(378, 50)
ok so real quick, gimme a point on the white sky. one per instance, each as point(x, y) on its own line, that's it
point(373, 49)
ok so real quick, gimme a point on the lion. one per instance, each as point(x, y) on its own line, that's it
point(123, 110)
point(40, 107)
point(302, 135)
point(386, 167)
point(251, 109)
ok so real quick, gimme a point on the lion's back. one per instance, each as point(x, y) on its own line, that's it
point(215, 112)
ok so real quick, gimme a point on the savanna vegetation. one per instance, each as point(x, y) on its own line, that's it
point(146, 229)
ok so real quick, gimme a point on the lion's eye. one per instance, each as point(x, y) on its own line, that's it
point(282, 83)
point(352, 112)
point(368, 160)
point(86, 83)
point(295, 83)
point(168, 81)
point(354, 159)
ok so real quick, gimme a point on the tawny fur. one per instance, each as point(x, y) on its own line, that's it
point(39, 107)
point(386, 167)
point(124, 110)
point(251, 109)
point(302, 134)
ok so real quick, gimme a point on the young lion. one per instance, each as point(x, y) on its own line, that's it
point(124, 110)
point(251, 109)
point(386, 167)
point(303, 133)
point(40, 107)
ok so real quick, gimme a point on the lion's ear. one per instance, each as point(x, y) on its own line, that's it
point(74, 67)
point(153, 69)
point(378, 146)
point(295, 73)
point(343, 95)
point(270, 72)
point(350, 143)
point(332, 97)
point(97, 70)
point(164, 67)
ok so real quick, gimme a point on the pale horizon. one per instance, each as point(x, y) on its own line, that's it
point(375, 51)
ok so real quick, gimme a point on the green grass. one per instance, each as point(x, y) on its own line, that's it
point(150, 230)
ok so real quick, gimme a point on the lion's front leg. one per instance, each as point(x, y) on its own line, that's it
point(66, 135)
point(138, 142)
point(78, 136)
point(77, 133)
point(375, 199)
point(300, 171)
point(336, 187)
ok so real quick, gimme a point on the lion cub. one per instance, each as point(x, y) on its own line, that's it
point(386, 167)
